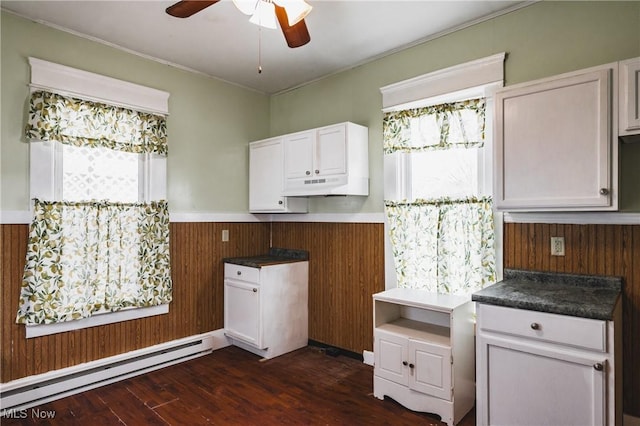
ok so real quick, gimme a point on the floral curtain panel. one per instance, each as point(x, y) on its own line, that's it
point(89, 257)
point(443, 246)
point(440, 245)
point(458, 124)
point(78, 122)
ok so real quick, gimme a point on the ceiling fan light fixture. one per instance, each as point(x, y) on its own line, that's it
point(264, 14)
point(248, 7)
point(297, 10)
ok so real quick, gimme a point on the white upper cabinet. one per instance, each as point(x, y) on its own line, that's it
point(266, 179)
point(331, 150)
point(554, 143)
point(629, 117)
point(331, 160)
point(298, 161)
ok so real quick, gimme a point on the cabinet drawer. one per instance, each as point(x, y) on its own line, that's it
point(561, 329)
point(242, 273)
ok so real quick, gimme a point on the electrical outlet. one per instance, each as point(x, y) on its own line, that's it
point(225, 235)
point(557, 246)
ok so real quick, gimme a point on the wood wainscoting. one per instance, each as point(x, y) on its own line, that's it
point(197, 271)
point(589, 249)
point(346, 267)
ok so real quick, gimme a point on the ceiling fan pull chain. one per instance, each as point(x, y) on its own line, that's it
point(259, 50)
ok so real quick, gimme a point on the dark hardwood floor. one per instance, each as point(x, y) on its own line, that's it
point(234, 387)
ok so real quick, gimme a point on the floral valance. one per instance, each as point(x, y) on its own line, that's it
point(457, 124)
point(78, 122)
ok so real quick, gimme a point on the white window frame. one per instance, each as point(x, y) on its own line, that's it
point(46, 160)
point(479, 78)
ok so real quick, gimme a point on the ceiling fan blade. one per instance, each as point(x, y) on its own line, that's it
point(296, 35)
point(186, 8)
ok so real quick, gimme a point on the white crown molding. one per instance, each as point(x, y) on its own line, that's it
point(574, 218)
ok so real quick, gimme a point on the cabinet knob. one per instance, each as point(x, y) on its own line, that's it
point(598, 366)
point(405, 363)
point(281, 202)
point(239, 272)
point(317, 171)
point(535, 326)
point(255, 290)
point(604, 191)
point(411, 365)
point(307, 173)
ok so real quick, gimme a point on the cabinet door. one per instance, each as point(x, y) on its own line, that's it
point(242, 312)
point(298, 155)
point(630, 97)
point(554, 144)
point(266, 176)
point(391, 356)
point(331, 151)
point(524, 384)
point(431, 371)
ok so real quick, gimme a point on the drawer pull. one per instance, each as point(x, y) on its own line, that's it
point(535, 326)
point(239, 273)
point(598, 366)
point(255, 290)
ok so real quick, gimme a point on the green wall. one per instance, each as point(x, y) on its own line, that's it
point(209, 124)
point(211, 121)
point(543, 39)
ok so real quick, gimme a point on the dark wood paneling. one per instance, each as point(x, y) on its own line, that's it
point(197, 307)
point(346, 268)
point(590, 249)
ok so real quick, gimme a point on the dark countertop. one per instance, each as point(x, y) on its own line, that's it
point(586, 296)
point(274, 257)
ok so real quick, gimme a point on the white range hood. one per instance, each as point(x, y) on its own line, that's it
point(330, 160)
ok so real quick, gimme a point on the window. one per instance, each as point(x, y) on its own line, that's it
point(440, 222)
point(99, 241)
point(100, 174)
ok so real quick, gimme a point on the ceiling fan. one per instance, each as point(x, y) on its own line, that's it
point(296, 34)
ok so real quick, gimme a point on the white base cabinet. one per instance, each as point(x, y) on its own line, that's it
point(537, 368)
point(423, 352)
point(266, 309)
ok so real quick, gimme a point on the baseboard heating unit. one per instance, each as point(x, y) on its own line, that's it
point(39, 389)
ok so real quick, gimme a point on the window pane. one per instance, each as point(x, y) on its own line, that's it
point(99, 174)
point(444, 173)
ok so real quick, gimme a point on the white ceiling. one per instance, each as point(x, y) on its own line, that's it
point(220, 42)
